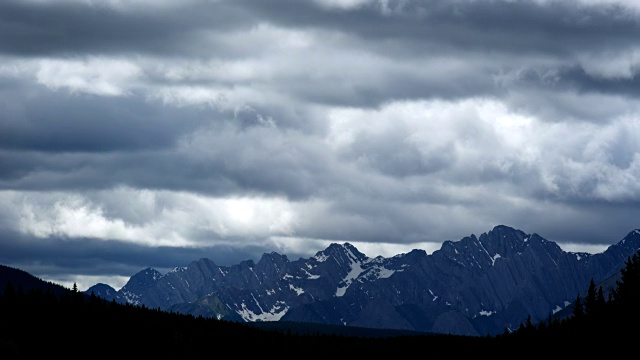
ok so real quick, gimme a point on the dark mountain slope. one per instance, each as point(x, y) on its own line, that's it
point(24, 281)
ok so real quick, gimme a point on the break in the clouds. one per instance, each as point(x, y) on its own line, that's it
point(140, 134)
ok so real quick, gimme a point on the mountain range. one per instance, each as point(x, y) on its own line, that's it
point(475, 286)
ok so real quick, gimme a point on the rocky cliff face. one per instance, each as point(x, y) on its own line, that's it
point(475, 286)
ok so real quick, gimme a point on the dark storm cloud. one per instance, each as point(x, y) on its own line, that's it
point(541, 38)
point(216, 160)
point(66, 28)
point(55, 256)
point(522, 27)
point(577, 78)
point(490, 37)
point(584, 224)
point(573, 78)
point(55, 122)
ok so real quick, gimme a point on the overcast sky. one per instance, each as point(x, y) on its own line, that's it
point(152, 133)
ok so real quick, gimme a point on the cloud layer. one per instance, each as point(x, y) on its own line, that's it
point(153, 133)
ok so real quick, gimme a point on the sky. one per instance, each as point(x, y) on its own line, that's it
point(153, 133)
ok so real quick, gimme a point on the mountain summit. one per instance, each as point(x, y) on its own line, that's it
point(474, 286)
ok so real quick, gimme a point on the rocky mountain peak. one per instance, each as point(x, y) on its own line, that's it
point(273, 257)
point(272, 263)
point(146, 276)
point(342, 253)
point(504, 240)
point(629, 244)
point(632, 240)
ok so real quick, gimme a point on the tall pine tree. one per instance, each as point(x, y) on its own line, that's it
point(590, 301)
point(578, 308)
point(627, 292)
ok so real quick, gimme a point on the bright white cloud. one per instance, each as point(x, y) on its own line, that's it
point(468, 134)
point(579, 159)
point(99, 76)
point(392, 249)
point(590, 249)
point(154, 218)
point(612, 65)
point(345, 4)
point(631, 4)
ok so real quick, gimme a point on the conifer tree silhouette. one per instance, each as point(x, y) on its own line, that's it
point(627, 292)
point(590, 301)
point(578, 308)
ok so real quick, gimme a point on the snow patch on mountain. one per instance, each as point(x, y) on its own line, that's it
point(559, 308)
point(384, 273)
point(131, 298)
point(356, 270)
point(321, 258)
point(435, 297)
point(379, 272)
point(486, 313)
point(310, 276)
point(275, 314)
point(177, 269)
point(298, 290)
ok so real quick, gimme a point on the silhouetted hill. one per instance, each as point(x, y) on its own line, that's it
point(26, 281)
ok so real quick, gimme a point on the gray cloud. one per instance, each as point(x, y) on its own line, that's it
point(138, 134)
point(72, 28)
point(98, 259)
point(86, 123)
